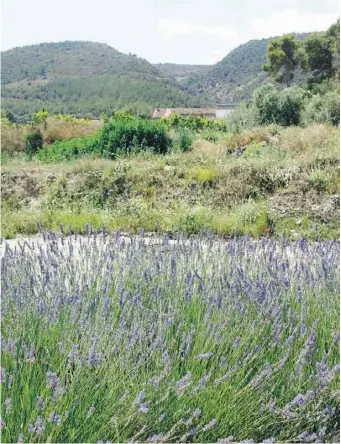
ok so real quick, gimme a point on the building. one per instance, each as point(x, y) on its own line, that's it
point(224, 110)
point(208, 113)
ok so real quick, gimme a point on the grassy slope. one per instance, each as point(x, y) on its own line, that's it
point(289, 183)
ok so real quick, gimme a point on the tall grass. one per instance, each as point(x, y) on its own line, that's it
point(197, 340)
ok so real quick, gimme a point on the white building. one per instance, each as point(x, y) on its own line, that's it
point(222, 110)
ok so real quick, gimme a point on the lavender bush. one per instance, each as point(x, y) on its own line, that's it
point(109, 339)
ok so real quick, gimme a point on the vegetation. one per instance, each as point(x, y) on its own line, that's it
point(319, 54)
point(34, 142)
point(141, 342)
point(286, 179)
point(283, 58)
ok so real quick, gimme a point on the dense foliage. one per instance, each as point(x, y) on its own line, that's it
point(132, 136)
point(34, 142)
point(116, 340)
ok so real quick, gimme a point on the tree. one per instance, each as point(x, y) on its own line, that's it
point(7, 114)
point(319, 51)
point(283, 56)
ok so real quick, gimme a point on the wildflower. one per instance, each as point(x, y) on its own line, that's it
point(8, 405)
point(224, 377)
point(140, 397)
point(262, 375)
point(162, 417)
point(41, 403)
point(2, 424)
point(204, 356)
point(38, 427)
point(183, 384)
point(20, 438)
point(90, 411)
point(226, 440)
point(54, 419)
point(52, 380)
point(307, 437)
point(155, 438)
point(197, 413)
point(210, 425)
point(2, 375)
point(144, 407)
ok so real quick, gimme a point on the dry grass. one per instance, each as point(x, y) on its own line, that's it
point(13, 137)
point(59, 129)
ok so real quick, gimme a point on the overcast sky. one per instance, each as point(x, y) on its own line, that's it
point(178, 31)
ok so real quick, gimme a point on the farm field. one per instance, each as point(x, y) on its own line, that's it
point(107, 339)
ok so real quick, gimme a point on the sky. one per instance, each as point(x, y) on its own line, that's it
point(176, 31)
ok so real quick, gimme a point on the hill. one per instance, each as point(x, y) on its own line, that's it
point(179, 71)
point(237, 75)
point(85, 78)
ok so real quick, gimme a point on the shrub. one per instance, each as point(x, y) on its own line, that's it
point(34, 141)
point(323, 109)
point(67, 149)
point(182, 141)
point(279, 107)
point(243, 117)
point(132, 136)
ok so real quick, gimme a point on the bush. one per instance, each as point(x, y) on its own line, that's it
point(133, 136)
point(34, 142)
point(67, 149)
point(323, 109)
point(279, 107)
point(182, 141)
point(244, 117)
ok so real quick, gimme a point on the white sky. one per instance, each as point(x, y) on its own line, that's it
point(178, 31)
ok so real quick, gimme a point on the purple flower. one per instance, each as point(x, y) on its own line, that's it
point(183, 384)
point(8, 405)
point(20, 438)
point(2, 375)
point(210, 425)
point(155, 438)
point(38, 427)
point(204, 356)
point(41, 403)
point(52, 380)
point(144, 407)
point(54, 419)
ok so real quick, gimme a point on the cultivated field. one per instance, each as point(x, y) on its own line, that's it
point(109, 339)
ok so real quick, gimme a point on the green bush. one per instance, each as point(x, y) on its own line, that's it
point(65, 150)
point(244, 117)
point(279, 107)
point(323, 109)
point(34, 141)
point(182, 141)
point(132, 136)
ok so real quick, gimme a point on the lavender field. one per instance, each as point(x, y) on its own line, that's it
point(106, 339)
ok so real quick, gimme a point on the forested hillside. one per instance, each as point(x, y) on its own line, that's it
point(85, 79)
point(237, 75)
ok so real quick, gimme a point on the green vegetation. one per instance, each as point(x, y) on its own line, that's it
point(109, 339)
point(318, 53)
point(34, 142)
point(283, 58)
point(285, 180)
point(85, 79)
